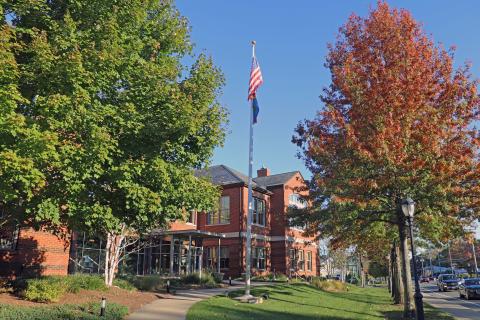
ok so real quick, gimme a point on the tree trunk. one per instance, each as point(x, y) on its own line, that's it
point(397, 283)
point(389, 277)
point(362, 272)
point(112, 254)
point(405, 267)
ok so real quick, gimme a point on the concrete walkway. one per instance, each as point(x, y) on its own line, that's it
point(175, 307)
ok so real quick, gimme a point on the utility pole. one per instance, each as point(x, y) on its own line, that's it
point(475, 257)
point(450, 256)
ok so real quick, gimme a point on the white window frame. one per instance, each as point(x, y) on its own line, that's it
point(255, 215)
point(220, 216)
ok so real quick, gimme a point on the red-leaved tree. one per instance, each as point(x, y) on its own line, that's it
point(398, 120)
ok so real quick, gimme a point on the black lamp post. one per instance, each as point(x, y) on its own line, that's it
point(408, 208)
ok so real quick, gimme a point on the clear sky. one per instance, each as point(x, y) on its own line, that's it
point(291, 46)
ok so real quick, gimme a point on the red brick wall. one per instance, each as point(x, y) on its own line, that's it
point(37, 253)
point(280, 202)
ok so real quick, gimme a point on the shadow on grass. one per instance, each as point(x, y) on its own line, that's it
point(430, 314)
point(236, 314)
point(296, 303)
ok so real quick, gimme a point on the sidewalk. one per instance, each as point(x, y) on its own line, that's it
point(175, 307)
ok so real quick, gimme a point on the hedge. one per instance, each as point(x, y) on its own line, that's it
point(89, 311)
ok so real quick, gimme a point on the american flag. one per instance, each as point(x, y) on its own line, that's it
point(256, 79)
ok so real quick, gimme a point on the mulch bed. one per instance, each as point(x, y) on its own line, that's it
point(134, 300)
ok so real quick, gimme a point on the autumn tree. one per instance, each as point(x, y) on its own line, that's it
point(113, 121)
point(398, 120)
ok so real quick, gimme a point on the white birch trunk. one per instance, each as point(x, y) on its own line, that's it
point(112, 254)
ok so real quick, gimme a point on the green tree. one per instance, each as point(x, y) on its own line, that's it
point(104, 81)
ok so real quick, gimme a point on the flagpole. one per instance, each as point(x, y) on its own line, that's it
point(250, 199)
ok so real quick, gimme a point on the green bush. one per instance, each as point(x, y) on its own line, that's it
point(124, 284)
point(51, 288)
point(83, 281)
point(89, 311)
point(353, 279)
point(329, 285)
point(148, 283)
point(48, 289)
point(277, 277)
point(207, 279)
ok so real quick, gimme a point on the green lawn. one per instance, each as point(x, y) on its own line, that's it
point(302, 302)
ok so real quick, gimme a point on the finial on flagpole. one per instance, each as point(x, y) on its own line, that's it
point(254, 42)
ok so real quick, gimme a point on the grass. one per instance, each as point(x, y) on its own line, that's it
point(304, 302)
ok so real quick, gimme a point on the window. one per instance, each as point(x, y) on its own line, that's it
point(223, 215)
point(301, 260)
point(258, 211)
point(309, 260)
point(224, 257)
point(225, 209)
point(293, 260)
point(295, 200)
point(258, 258)
point(192, 217)
point(212, 254)
point(8, 233)
point(211, 257)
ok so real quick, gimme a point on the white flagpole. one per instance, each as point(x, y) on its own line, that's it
point(250, 199)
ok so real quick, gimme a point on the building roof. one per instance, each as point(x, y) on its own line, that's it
point(224, 175)
point(275, 179)
point(185, 233)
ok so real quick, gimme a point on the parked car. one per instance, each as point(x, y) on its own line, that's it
point(424, 279)
point(469, 288)
point(447, 282)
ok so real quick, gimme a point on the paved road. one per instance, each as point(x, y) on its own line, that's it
point(450, 302)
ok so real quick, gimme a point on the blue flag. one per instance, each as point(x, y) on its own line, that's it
point(256, 109)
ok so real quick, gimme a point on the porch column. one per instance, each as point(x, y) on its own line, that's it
point(195, 258)
point(172, 249)
point(160, 257)
point(200, 262)
point(189, 256)
point(218, 256)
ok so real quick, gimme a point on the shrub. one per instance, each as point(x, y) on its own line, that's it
point(124, 284)
point(193, 278)
point(83, 281)
point(148, 283)
point(277, 277)
point(330, 286)
point(48, 289)
point(207, 280)
point(353, 279)
point(280, 277)
point(71, 312)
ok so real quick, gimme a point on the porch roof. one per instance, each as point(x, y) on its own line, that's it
point(186, 233)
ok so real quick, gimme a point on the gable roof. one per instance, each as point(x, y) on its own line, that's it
point(223, 175)
point(275, 179)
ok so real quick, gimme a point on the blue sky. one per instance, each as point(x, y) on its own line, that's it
point(291, 46)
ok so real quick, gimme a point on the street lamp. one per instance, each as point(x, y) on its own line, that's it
point(408, 208)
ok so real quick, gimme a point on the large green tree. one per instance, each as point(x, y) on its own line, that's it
point(398, 120)
point(102, 83)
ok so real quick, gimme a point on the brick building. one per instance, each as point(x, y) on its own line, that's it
point(276, 247)
point(25, 252)
point(208, 240)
